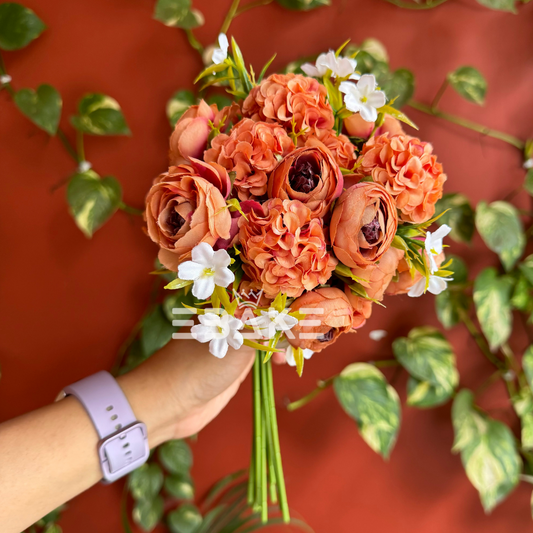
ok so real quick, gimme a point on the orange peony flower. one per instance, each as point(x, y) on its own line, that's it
point(285, 98)
point(251, 296)
point(310, 175)
point(409, 171)
point(250, 151)
point(341, 148)
point(378, 275)
point(190, 135)
point(363, 224)
point(182, 210)
point(361, 308)
point(333, 313)
point(356, 126)
point(284, 248)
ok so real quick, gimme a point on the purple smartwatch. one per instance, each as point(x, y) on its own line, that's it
point(123, 444)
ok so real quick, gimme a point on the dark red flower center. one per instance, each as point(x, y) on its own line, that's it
point(371, 231)
point(326, 337)
point(175, 221)
point(305, 174)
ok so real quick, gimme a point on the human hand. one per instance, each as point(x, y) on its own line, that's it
point(180, 389)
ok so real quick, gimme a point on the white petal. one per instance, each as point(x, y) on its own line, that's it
point(417, 289)
point(345, 67)
point(219, 347)
point(235, 324)
point(235, 339)
point(377, 334)
point(289, 356)
point(432, 263)
point(377, 99)
point(203, 287)
point(368, 113)
point(353, 103)
point(221, 259)
point(223, 42)
point(223, 277)
point(441, 233)
point(202, 333)
point(310, 70)
point(210, 319)
point(203, 253)
point(308, 353)
point(284, 322)
point(367, 84)
point(528, 163)
point(347, 87)
point(437, 284)
point(355, 76)
point(219, 56)
point(190, 270)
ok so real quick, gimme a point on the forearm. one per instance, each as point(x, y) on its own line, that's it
point(49, 456)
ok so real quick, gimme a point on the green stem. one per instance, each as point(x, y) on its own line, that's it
point(284, 505)
point(480, 340)
point(230, 16)
point(252, 5)
point(321, 385)
point(468, 124)
point(131, 210)
point(264, 493)
point(488, 382)
point(194, 42)
point(409, 5)
point(439, 94)
point(80, 146)
point(68, 147)
point(512, 364)
point(257, 426)
point(384, 363)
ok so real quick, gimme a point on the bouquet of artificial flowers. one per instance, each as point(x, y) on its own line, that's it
point(287, 215)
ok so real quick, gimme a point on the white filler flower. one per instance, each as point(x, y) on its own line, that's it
point(289, 355)
point(219, 331)
point(436, 286)
point(207, 269)
point(341, 67)
point(363, 97)
point(434, 245)
point(221, 53)
point(272, 321)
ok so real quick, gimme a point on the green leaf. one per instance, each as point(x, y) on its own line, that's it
point(186, 519)
point(176, 301)
point(499, 5)
point(492, 295)
point(393, 112)
point(451, 303)
point(469, 83)
point(459, 216)
point(366, 396)
point(221, 100)
point(526, 431)
point(99, 114)
point(148, 513)
point(178, 14)
point(303, 5)
point(429, 357)
point(488, 451)
point(400, 85)
point(176, 456)
point(156, 331)
point(522, 298)
point(145, 482)
point(424, 395)
point(178, 104)
point(528, 181)
point(18, 26)
point(53, 528)
point(42, 107)
point(501, 228)
point(526, 268)
point(527, 364)
point(180, 486)
point(92, 200)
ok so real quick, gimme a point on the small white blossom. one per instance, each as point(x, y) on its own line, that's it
point(341, 67)
point(219, 331)
point(436, 286)
point(528, 163)
point(377, 334)
point(289, 355)
point(221, 53)
point(434, 245)
point(272, 321)
point(84, 166)
point(5, 79)
point(207, 269)
point(363, 97)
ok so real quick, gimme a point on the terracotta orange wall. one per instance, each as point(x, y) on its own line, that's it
point(68, 303)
